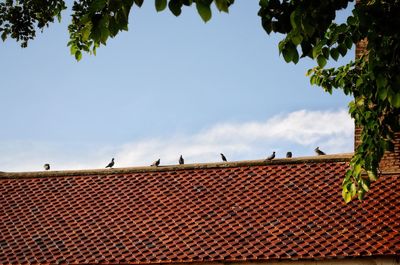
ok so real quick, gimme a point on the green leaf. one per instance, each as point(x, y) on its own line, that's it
point(204, 10)
point(267, 25)
point(357, 170)
point(175, 6)
point(382, 93)
point(381, 81)
point(105, 33)
point(114, 5)
point(359, 102)
point(282, 46)
point(297, 39)
point(313, 80)
point(321, 61)
point(307, 27)
point(290, 53)
point(100, 31)
point(372, 176)
point(263, 3)
point(187, 2)
point(287, 55)
point(396, 100)
point(295, 56)
point(365, 185)
point(97, 5)
point(222, 5)
point(85, 19)
point(73, 48)
point(317, 49)
point(361, 194)
point(359, 82)
point(78, 55)
point(295, 19)
point(95, 46)
point(139, 3)
point(348, 42)
point(121, 20)
point(347, 177)
point(59, 17)
point(113, 27)
point(353, 190)
point(334, 54)
point(391, 96)
point(351, 21)
point(325, 52)
point(160, 5)
point(86, 31)
point(342, 49)
point(96, 34)
point(4, 35)
point(346, 196)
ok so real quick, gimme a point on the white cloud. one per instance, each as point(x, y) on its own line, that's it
point(299, 132)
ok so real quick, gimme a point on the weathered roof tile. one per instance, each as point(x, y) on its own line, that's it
point(243, 212)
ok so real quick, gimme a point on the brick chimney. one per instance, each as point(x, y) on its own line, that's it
point(391, 160)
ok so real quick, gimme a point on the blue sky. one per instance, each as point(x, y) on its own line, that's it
point(167, 86)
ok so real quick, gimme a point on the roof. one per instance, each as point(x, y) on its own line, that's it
point(242, 211)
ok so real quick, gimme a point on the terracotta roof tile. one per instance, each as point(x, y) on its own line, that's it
point(253, 212)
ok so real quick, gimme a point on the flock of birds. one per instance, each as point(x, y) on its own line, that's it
point(223, 157)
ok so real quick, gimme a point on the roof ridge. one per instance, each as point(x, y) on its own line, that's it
point(85, 172)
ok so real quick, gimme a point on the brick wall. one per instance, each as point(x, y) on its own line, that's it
point(361, 48)
point(357, 136)
point(391, 160)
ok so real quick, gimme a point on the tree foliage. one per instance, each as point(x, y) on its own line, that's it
point(19, 19)
point(309, 30)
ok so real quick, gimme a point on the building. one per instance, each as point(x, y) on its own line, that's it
point(286, 211)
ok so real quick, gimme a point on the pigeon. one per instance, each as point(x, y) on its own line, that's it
point(223, 157)
point(289, 155)
point(319, 152)
point(181, 160)
point(156, 163)
point(46, 166)
point(111, 164)
point(271, 156)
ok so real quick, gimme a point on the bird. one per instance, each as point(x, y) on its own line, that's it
point(46, 166)
point(289, 155)
point(156, 163)
point(181, 160)
point(271, 156)
point(111, 164)
point(319, 152)
point(223, 157)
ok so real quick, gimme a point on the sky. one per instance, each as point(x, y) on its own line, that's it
point(169, 86)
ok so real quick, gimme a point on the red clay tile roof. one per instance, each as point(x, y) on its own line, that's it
point(231, 212)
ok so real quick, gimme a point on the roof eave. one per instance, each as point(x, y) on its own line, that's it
point(299, 160)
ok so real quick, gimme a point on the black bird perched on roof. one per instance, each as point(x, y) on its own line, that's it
point(46, 166)
point(181, 160)
point(289, 155)
point(223, 158)
point(271, 156)
point(319, 152)
point(111, 164)
point(156, 163)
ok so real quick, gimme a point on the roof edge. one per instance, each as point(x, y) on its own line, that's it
point(86, 172)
